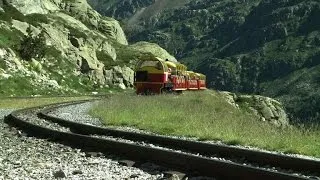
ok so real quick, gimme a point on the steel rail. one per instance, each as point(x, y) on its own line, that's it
point(253, 156)
point(179, 161)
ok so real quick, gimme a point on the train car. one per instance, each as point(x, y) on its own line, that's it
point(192, 83)
point(202, 82)
point(151, 75)
point(176, 77)
point(154, 75)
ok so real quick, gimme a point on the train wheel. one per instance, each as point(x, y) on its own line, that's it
point(166, 91)
point(147, 92)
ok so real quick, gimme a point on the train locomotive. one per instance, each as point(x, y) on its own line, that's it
point(154, 75)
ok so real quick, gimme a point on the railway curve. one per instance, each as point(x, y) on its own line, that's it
point(80, 136)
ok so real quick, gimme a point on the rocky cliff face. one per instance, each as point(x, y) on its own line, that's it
point(268, 47)
point(51, 46)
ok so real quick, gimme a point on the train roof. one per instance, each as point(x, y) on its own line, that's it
point(170, 64)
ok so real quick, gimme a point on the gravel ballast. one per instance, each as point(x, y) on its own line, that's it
point(23, 157)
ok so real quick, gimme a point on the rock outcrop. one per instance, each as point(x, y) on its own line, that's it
point(154, 49)
point(78, 9)
point(265, 108)
point(120, 76)
point(112, 28)
point(34, 6)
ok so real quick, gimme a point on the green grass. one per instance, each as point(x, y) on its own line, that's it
point(35, 19)
point(14, 102)
point(11, 13)
point(9, 37)
point(71, 1)
point(207, 116)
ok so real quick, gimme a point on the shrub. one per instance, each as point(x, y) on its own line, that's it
point(32, 47)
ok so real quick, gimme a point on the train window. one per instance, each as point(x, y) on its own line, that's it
point(141, 76)
point(155, 64)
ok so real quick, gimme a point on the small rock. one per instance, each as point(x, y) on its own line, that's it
point(127, 163)
point(75, 172)
point(174, 175)
point(59, 174)
point(134, 176)
point(17, 163)
point(94, 162)
point(94, 154)
point(20, 134)
point(122, 86)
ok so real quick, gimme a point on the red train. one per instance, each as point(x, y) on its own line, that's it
point(155, 76)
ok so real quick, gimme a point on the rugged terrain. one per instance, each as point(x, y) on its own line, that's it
point(267, 47)
point(64, 46)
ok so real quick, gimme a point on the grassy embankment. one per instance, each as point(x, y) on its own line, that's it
point(205, 115)
point(13, 103)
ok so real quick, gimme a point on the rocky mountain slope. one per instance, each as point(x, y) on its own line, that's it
point(61, 46)
point(267, 47)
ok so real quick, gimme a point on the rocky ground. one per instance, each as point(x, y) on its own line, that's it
point(23, 157)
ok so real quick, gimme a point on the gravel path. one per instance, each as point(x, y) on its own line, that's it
point(24, 157)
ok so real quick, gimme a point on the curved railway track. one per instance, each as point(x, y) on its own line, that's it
point(185, 159)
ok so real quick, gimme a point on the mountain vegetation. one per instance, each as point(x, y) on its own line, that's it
point(267, 47)
point(64, 47)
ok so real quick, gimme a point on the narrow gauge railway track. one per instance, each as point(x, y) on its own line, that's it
point(80, 137)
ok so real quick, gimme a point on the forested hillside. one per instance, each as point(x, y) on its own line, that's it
point(268, 47)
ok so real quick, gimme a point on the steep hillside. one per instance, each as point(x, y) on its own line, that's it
point(138, 10)
point(251, 46)
point(61, 46)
